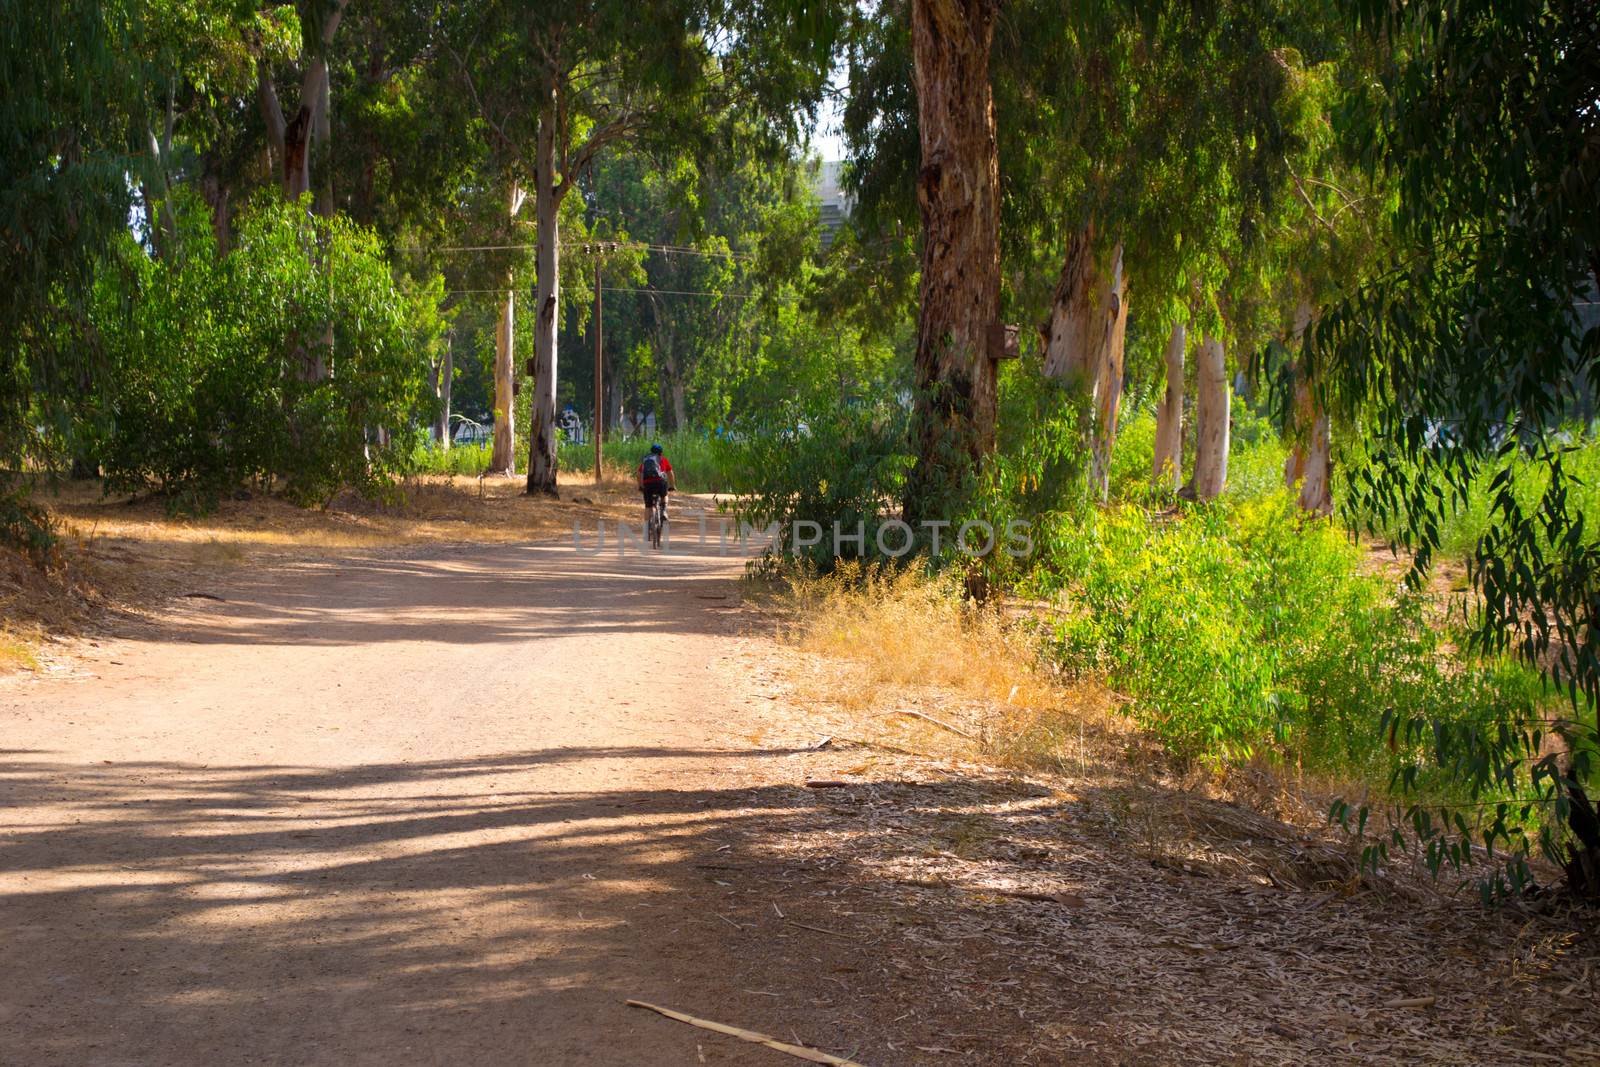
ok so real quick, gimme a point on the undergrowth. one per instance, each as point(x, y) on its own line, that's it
point(1238, 634)
point(908, 631)
point(701, 463)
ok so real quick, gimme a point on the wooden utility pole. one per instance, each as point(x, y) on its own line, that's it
point(599, 376)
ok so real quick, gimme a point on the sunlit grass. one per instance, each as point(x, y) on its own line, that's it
point(907, 636)
point(424, 509)
point(16, 653)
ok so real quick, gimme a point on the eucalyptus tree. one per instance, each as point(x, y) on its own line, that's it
point(1135, 146)
point(558, 83)
point(296, 136)
point(1470, 350)
point(1325, 230)
point(958, 197)
point(1157, 144)
point(76, 123)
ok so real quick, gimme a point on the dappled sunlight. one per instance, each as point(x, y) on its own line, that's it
point(431, 902)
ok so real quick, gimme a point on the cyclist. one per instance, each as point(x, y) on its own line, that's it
point(656, 480)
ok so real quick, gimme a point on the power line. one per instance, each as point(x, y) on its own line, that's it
point(677, 249)
point(620, 289)
point(679, 292)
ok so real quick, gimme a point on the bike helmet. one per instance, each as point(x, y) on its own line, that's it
point(656, 449)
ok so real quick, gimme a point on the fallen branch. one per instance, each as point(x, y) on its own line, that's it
point(823, 930)
point(1411, 1002)
point(880, 746)
point(798, 1051)
point(958, 731)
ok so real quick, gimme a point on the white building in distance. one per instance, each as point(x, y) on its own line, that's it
point(835, 202)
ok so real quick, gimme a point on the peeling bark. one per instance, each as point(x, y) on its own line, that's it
point(1212, 401)
point(1076, 329)
point(1168, 466)
point(547, 203)
point(1316, 491)
point(1084, 341)
point(958, 198)
point(443, 380)
point(1309, 464)
point(502, 456)
point(292, 141)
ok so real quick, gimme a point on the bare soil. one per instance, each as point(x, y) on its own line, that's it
point(440, 803)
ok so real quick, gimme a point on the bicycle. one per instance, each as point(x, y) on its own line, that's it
point(657, 520)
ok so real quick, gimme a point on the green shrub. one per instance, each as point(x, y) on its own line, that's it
point(830, 464)
point(1240, 629)
point(428, 458)
point(213, 380)
point(25, 526)
point(701, 462)
point(1468, 515)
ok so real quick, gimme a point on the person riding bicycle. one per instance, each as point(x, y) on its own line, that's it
point(656, 479)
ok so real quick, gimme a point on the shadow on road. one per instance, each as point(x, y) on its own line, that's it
point(430, 912)
point(469, 595)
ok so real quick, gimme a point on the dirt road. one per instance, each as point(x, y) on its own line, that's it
point(457, 804)
point(447, 805)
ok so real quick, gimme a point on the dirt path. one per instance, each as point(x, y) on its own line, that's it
point(456, 804)
point(427, 807)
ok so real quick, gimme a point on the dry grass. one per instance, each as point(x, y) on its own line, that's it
point(17, 651)
point(892, 642)
point(429, 509)
point(874, 645)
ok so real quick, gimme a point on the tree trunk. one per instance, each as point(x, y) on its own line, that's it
point(159, 217)
point(613, 395)
point(293, 139)
point(958, 196)
point(322, 137)
point(442, 386)
point(671, 414)
point(1076, 329)
point(1084, 343)
point(1309, 465)
point(542, 438)
point(1316, 491)
point(1311, 451)
point(152, 217)
point(218, 197)
point(1583, 854)
point(1212, 401)
point(502, 456)
point(1168, 467)
point(1108, 390)
point(297, 154)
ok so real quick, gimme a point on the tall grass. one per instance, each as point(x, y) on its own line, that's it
point(702, 465)
point(458, 459)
